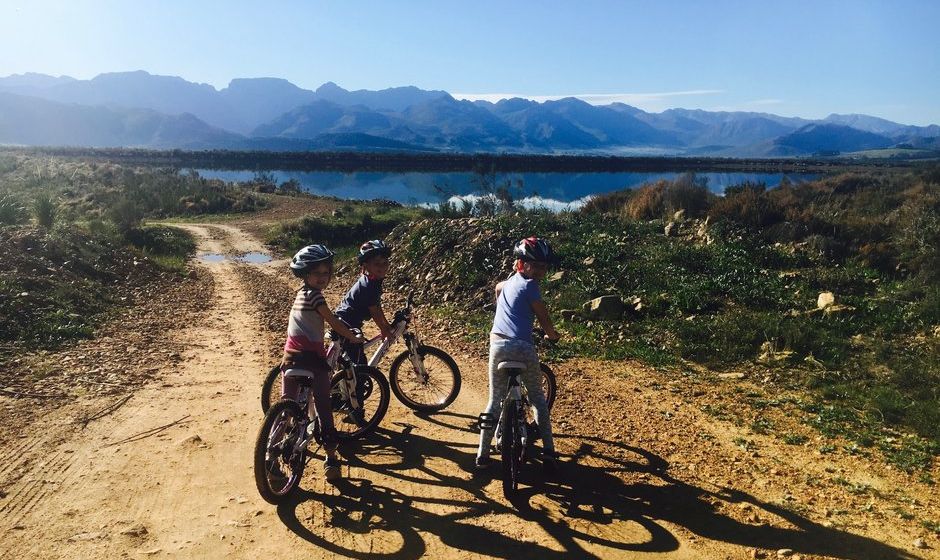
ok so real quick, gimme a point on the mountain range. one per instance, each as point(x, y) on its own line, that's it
point(139, 109)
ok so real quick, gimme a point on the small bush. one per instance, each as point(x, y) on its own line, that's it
point(11, 211)
point(44, 210)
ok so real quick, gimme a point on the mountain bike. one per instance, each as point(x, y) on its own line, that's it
point(423, 378)
point(516, 430)
point(359, 397)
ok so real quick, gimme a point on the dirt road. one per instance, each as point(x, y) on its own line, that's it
point(645, 474)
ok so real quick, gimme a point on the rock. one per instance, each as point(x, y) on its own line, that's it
point(679, 215)
point(588, 261)
point(135, 531)
point(557, 277)
point(702, 231)
point(731, 375)
point(755, 553)
point(670, 229)
point(919, 543)
point(192, 274)
point(193, 440)
point(824, 300)
point(784, 552)
point(604, 308)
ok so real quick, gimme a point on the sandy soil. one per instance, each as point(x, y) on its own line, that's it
point(645, 473)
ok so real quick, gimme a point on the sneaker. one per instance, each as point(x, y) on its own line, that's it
point(483, 463)
point(331, 469)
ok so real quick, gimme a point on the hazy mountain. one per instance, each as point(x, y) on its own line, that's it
point(322, 117)
point(574, 124)
point(459, 124)
point(137, 108)
point(33, 121)
point(395, 99)
point(31, 83)
point(695, 127)
point(866, 123)
point(254, 101)
point(814, 138)
point(166, 94)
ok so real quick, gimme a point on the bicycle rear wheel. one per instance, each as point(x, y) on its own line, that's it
point(431, 391)
point(278, 467)
point(271, 388)
point(512, 450)
point(373, 394)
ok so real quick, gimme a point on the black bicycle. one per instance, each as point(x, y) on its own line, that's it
point(516, 430)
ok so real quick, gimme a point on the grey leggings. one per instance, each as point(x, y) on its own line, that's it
point(320, 391)
point(511, 349)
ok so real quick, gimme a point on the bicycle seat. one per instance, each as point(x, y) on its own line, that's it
point(511, 365)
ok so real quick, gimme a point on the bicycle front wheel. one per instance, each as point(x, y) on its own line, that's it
point(373, 394)
point(278, 466)
point(271, 388)
point(430, 391)
point(549, 384)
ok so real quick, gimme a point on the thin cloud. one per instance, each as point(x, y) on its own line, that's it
point(592, 98)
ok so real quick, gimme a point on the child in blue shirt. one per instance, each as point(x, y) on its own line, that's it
point(518, 303)
point(364, 299)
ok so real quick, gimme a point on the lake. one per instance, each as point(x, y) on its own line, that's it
point(557, 191)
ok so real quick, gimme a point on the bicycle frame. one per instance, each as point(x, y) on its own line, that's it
point(515, 396)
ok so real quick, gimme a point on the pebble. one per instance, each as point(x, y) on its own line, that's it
point(784, 552)
point(919, 543)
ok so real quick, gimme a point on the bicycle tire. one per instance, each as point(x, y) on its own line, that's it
point(549, 384)
point(294, 419)
point(397, 375)
point(511, 449)
point(268, 395)
point(374, 394)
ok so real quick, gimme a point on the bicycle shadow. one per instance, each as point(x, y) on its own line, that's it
point(587, 510)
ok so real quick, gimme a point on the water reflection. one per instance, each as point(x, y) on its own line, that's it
point(558, 191)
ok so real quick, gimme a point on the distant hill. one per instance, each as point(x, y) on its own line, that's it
point(32, 121)
point(392, 99)
point(254, 101)
point(141, 109)
point(815, 138)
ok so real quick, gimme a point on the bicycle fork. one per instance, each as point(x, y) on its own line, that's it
point(417, 362)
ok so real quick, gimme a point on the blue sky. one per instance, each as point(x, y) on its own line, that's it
point(791, 58)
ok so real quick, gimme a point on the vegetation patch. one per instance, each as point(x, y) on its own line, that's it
point(829, 286)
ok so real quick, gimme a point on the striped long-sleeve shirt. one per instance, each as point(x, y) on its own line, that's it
point(305, 326)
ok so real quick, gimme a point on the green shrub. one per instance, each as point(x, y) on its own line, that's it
point(44, 209)
point(11, 211)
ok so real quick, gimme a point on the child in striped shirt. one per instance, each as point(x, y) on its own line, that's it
point(304, 351)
